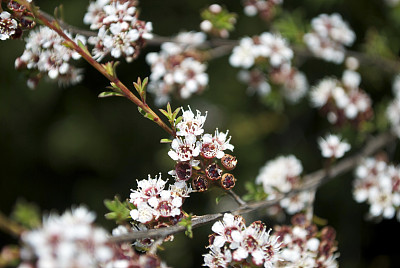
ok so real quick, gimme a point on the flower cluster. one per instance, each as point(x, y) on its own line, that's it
point(378, 184)
point(332, 146)
point(279, 176)
point(156, 205)
point(303, 245)
point(267, 46)
point(393, 110)
point(45, 54)
point(12, 24)
point(200, 156)
point(232, 243)
point(177, 67)
point(217, 21)
point(342, 101)
point(265, 8)
point(270, 52)
point(72, 241)
point(120, 32)
point(328, 37)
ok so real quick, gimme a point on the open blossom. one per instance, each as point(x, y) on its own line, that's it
point(342, 101)
point(267, 45)
point(177, 67)
point(153, 201)
point(214, 146)
point(378, 184)
point(69, 240)
point(184, 149)
point(332, 146)
point(233, 242)
point(45, 52)
point(281, 175)
point(120, 32)
point(303, 245)
point(191, 124)
point(329, 36)
point(8, 26)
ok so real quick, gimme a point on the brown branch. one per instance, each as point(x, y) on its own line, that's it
point(10, 226)
point(311, 182)
point(54, 25)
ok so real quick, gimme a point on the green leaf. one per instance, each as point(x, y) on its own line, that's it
point(27, 214)
point(187, 223)
point(218, 198)
point(111, 68)
point(165, 141)
point(119, 211)
point(146, 115)
point(110, 94)
point(254, 192)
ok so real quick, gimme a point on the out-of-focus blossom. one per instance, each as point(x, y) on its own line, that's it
point(332, 146)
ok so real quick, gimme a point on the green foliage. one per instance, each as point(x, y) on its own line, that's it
point(119, 211)
point(27, 214)
point(220, 21)
point(141, 88)
point(171, 116)
point(291, 26)
point(110, 67)
point(254, 192)
point(377, 44)
point(187, 223)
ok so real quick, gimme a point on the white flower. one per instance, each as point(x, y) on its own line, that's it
point(321, 93)
point(8, 25)
point(69, 240)
point(243, 55)
point(191, 124)
point(228, 230)
point(147, 189)
point(277, 49)
point(184, 149)
point(218, 258)
point(332, 146)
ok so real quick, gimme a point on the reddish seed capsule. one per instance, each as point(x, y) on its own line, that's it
point(183, 171)
point(228, 181)
point(200, 184)
point(228, 161)
point(213, 172)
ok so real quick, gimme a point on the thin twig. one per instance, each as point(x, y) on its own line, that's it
point(236, 198)
point(9, 226)
point(311, 182)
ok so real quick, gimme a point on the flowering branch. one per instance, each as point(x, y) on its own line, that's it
point(311, 182)
point(54, 25)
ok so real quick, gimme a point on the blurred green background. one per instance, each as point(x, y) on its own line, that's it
point(64, 146)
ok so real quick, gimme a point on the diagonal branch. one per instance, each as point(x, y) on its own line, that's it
point(311, 182)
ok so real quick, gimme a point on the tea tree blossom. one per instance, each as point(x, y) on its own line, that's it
point(191, 124)
point(281, 175)
point(342, 101)
point(177, 67)
point(303, 245)
point(269, 46)
point(232, 242)
point(8, 26)
point(69, 240)
point(377, 183)
point(328, 37)
point(120, 32)
point(45, 52)
point(152, 200)
point(332, 146)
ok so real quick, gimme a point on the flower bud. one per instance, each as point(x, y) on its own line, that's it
point(228, 161)
point(213, 172)
point(228, 181)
